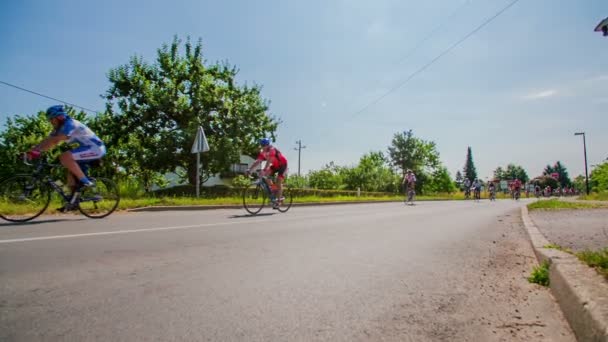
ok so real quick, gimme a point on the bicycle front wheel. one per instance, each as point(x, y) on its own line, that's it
point(100, 200)
point(23, 198)
point(254, 198)
point(287, 202)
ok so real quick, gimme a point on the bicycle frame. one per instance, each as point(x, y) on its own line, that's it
point(39, 174)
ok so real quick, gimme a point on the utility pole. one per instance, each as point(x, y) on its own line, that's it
point(585, 153)
point(299, 149)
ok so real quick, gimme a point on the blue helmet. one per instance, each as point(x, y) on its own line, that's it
point(55, 111)
point(264, 142)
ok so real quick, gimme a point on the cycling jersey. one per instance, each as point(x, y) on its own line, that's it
point(274, 157)
point(90, 146)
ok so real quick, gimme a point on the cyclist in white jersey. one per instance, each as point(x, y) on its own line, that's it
point(66, 129)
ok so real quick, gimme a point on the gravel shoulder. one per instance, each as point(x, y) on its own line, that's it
point(577, 230)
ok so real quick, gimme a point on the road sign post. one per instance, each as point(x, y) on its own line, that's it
point(200, 145)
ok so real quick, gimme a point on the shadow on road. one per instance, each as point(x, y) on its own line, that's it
point(249, 215)
point(29, 223)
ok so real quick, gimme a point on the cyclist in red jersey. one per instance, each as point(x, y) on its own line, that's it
point(276, 163)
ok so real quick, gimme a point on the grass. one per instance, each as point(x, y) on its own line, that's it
point(596, 259)
point(554, 204)
point(540, 274)
point(596, 196)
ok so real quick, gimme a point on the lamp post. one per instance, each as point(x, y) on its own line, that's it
point(299, 149)
point(585, 152)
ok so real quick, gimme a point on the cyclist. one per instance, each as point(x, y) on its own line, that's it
point(70, 130)
point(276, 163)
point(492, 190)
point(516, 186)
point(467, 187)
point(477, 188)
point(409, 180)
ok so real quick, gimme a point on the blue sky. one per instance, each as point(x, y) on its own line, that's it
point(516, 91)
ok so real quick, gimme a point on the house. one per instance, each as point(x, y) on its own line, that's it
point(235, 169)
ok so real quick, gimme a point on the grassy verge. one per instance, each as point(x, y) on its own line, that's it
point(554, 204)
point(595, 259)
point(596, 196)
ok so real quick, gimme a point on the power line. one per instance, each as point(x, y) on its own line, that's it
point(48, 97)
point(446, 51)
point(432, 33)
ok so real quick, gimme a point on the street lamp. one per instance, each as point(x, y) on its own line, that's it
point(585, 152)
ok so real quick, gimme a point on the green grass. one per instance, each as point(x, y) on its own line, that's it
point(559, 248)
point(540, 274)
point(554, 204)
point(596, 259)
point(595, 196)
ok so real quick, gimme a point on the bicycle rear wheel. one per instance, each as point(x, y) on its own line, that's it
point(254, 198)
point(100, 200)
point(23, 198)
point(287, 202)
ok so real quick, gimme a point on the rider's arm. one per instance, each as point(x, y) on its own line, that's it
point(254, 165)
point(50, 142)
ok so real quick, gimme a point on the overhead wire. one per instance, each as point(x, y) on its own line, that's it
point(49, 97)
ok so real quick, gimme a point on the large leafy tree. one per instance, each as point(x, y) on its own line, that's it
point(371, 174)
point(469, 170)
point(154, 110)
point(511, 172)
point(599, 177)
point(563, 178)
point(409, 152)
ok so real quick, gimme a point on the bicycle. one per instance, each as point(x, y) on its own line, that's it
point(256, 194)
point(23, 197)
point(477, 194)
point(410, 195)
point(515, 194)
point(492, 195)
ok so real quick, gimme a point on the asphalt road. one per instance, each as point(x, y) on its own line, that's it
point(437, 271)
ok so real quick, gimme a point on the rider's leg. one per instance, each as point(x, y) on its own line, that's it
point(280, 180)
point(68, 161)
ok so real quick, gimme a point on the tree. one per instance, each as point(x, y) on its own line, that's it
point(459, 179)
point(409, 152)
point(154, 110)
point(327, 178)
point(371, 174)
point(599, 178)
point(562, 173)
point(440, 181)
point(579, 183)
point(469, 167)
point(499, 173)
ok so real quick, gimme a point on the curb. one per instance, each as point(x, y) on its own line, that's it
point(581, 293)
point(239, 206)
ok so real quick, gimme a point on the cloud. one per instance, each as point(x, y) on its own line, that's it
point(541, 95)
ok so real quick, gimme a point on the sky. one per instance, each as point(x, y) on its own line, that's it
point(344, 76)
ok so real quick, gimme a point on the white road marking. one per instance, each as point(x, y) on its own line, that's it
point(129, 231)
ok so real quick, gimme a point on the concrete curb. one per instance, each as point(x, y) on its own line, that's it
point(239, 206)
point(581, 293)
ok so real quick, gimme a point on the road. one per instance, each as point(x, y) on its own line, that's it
point(437, 271)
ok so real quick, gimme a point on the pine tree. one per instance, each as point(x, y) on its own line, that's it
point(469, 167)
